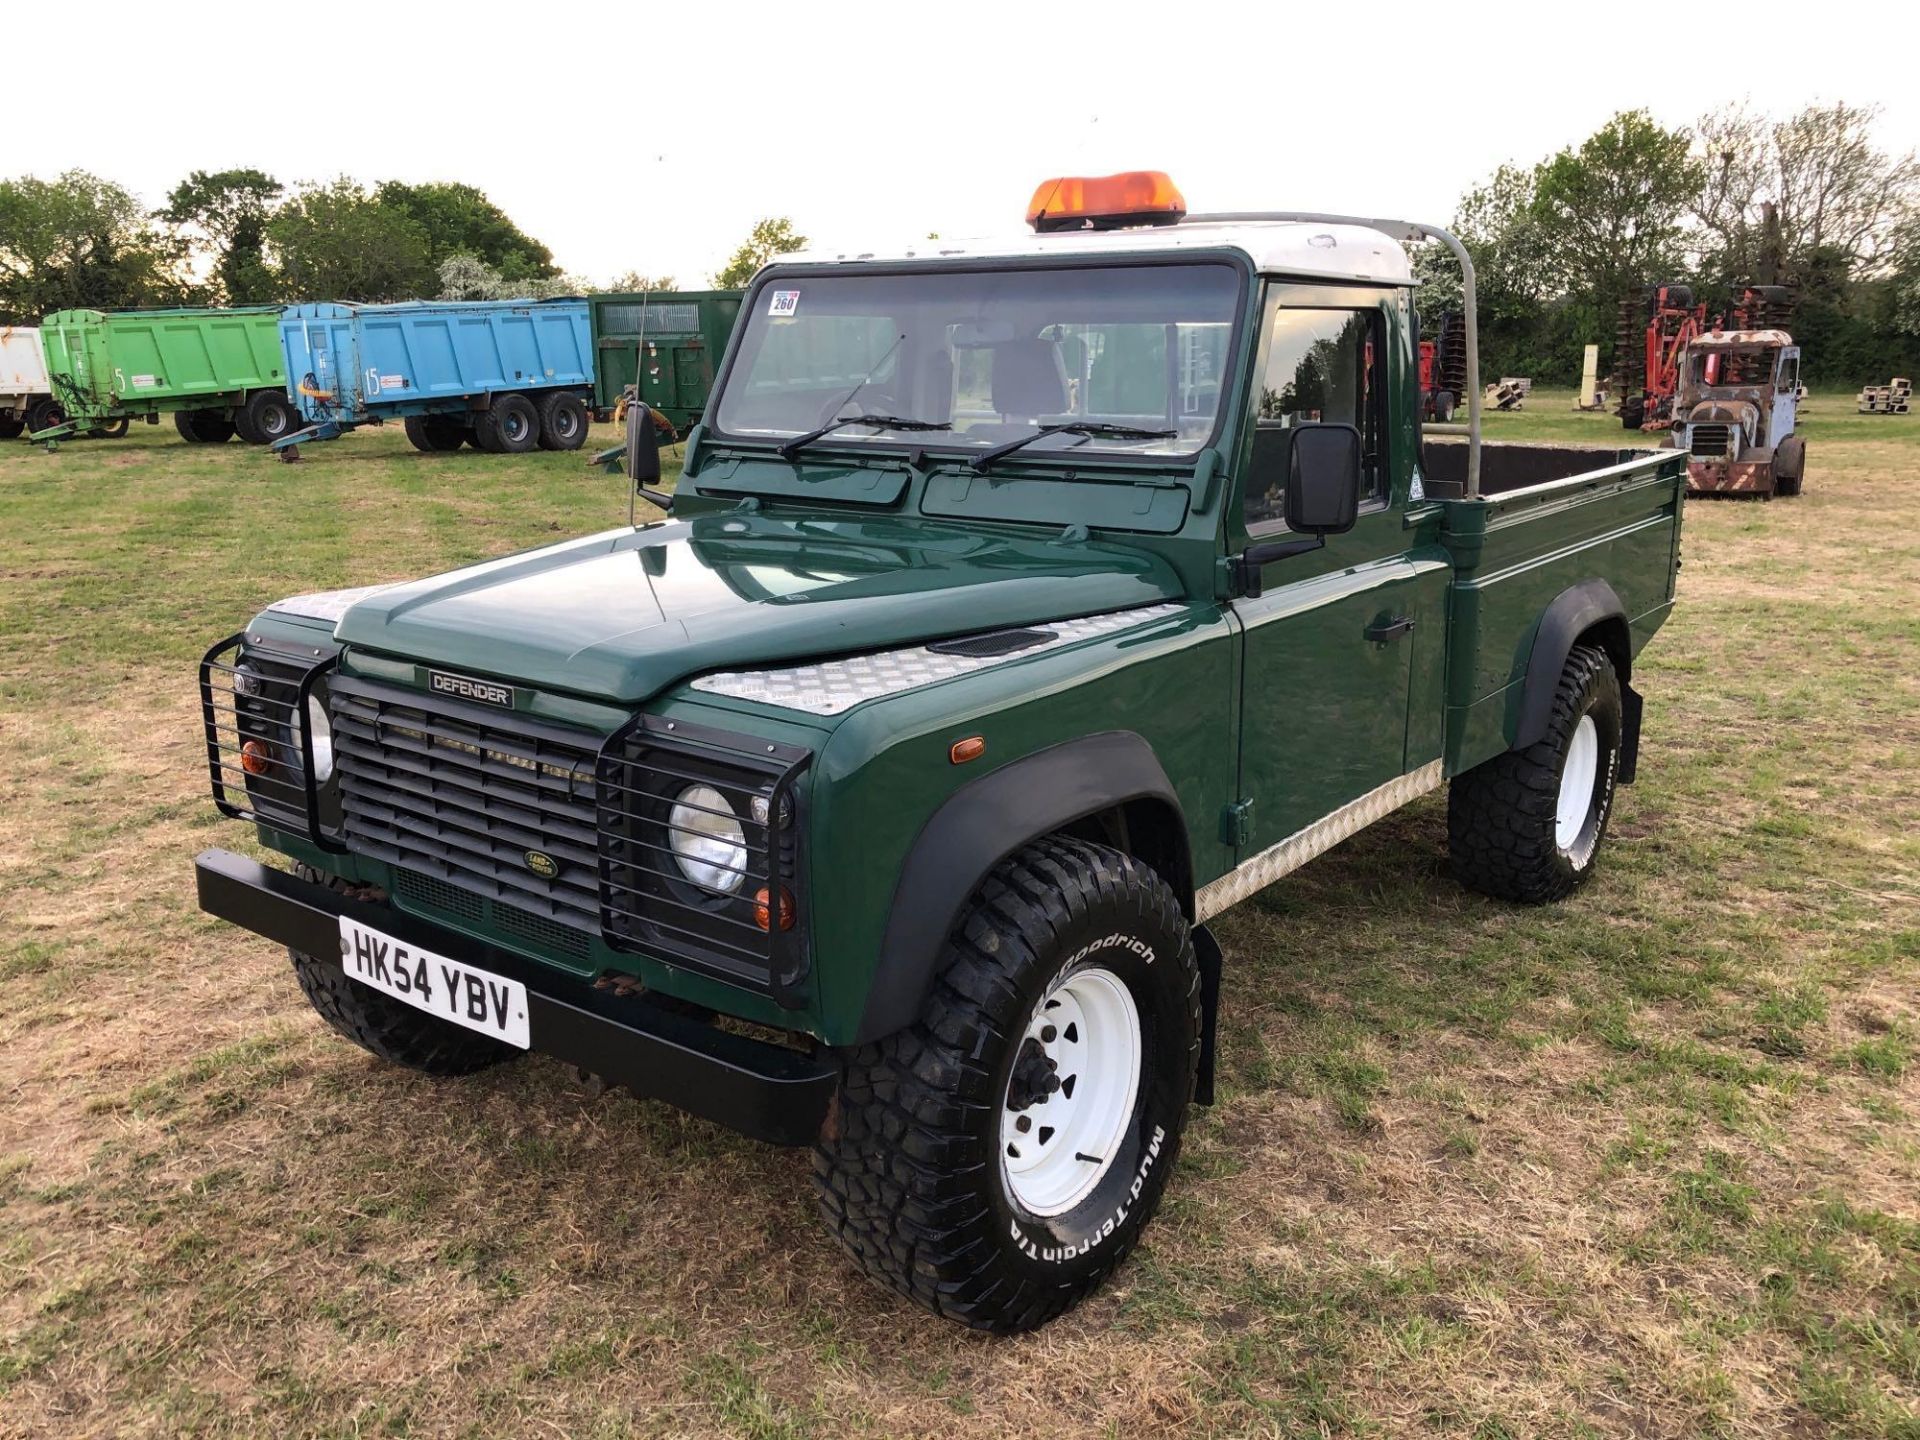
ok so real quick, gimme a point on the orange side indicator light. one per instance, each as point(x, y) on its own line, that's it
point(971, 748)
point(255, 757)
point(763, 908)
point(1106, 202)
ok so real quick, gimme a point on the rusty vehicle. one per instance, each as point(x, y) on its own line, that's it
point(1735, 414)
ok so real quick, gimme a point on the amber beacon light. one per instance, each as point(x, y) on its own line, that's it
point(1106, 202)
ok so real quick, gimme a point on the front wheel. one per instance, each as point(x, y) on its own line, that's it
point(995, 1160)
point(1527, 825)
point(377, 1022)
point(1789, 465)
point(265, 417)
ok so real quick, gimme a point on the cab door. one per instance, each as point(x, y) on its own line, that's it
point(1328, 644)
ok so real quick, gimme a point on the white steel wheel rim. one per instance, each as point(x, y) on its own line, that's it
point(1576, 783)
point(1072, 1135)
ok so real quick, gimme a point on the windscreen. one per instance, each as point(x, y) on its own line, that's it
point(1130, 357)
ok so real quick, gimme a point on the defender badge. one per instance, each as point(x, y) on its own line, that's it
point(487, 692)
point(543, 864)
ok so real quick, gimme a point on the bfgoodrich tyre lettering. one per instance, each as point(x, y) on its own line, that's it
point(913, 1173)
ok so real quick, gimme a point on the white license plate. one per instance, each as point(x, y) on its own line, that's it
point(447, 989)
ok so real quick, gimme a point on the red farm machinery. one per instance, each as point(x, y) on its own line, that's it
point(1652, 334)
point(1443, 367)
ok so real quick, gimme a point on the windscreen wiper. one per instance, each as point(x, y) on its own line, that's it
point(1072, 427)
point(879, 422)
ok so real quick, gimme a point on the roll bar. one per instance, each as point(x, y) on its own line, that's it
point(1403, 231)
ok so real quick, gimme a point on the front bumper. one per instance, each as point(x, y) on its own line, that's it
point(763, 1090)
point(1730, 477)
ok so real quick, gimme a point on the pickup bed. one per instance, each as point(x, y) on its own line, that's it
point(1022, 606)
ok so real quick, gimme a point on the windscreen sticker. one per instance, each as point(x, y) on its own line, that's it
point(785, 302)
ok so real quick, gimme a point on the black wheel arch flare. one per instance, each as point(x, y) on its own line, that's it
point(1592, 612)
point(988, 819)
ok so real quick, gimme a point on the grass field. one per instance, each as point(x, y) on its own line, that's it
point(1647, 1164)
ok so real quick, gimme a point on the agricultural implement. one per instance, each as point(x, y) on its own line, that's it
point(1443, 368)
point(217, 372)
point(666, 343)
point(505, 376)
point(1654, 330)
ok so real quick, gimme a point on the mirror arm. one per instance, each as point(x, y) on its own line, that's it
point(1249, 563)
point(662, 498)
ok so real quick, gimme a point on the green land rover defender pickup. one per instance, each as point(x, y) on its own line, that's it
point(1022, 606)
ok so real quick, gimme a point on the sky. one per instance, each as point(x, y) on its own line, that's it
point(651, 138)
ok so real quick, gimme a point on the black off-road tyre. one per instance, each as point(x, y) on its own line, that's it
point(1789, 465)
point(10, 428)
point(44, 415)
point(510, 426)
point(434, 434)
point(1502, 816)
point(911, 1171)
point(1633, 414)
point(202, 427)
point(381, 1024)
point(265, 417)
point(563, 421)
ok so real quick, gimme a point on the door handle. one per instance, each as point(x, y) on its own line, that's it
point(1381, 631)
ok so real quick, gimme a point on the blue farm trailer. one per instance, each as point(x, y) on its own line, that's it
point(501, 375)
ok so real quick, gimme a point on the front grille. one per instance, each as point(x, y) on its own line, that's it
point(439, 898)
point(482, 801)
point(1710, 442)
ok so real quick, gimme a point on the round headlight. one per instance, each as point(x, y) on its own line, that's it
point(322, 731)
point(707, 840)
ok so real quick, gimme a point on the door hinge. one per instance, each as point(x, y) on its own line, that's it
point(1236, 824)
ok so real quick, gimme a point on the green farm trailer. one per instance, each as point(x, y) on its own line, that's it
point(670, 341)
point(217, 372)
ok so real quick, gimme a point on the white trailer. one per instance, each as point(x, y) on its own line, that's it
point(26, 399)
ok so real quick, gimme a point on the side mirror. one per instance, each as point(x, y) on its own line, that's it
point(643, 445)
point(1323, 480)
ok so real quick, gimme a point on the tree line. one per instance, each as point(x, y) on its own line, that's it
point(241, 237)
point(1811, 201)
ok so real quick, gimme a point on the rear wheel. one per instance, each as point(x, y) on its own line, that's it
point(1527, 825)
point(511, 425)
point(995, 1160)
point(563, 421)
point(112, 430)
point(383, 1025)
point(265, 418)
point(1443, 404)
point(1633, 414)
point(44, 415)
point(10, 428)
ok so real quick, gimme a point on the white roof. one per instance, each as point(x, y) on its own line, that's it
point(1276, 247)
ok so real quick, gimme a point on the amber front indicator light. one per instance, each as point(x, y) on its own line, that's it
point(763, 908)
point(971, 748)
point(255, 757)
point(1106, 202)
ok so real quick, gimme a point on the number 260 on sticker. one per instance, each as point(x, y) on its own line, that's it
point(785, 302)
